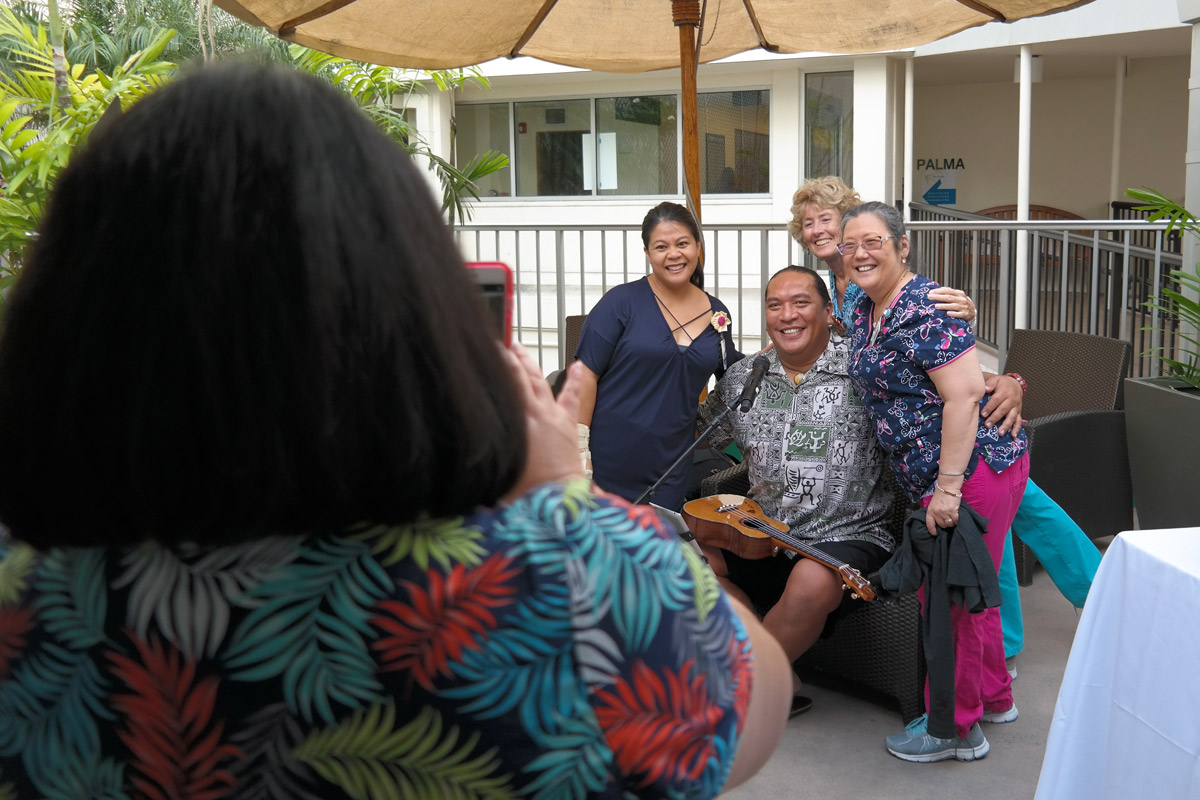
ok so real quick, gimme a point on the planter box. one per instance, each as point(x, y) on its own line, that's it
point(1162, 425)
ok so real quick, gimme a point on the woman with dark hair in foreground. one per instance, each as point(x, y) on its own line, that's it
point(287, 522)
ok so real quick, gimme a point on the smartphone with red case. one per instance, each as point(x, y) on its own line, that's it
point(496, 282)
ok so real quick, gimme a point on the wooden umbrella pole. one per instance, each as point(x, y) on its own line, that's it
point(686, 14)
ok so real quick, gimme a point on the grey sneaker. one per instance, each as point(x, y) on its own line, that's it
point(915, 744)
point(1000, 717)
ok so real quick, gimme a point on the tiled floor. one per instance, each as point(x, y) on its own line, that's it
point(836, 750)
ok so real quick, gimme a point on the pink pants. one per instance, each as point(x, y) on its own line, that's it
point(981, 679)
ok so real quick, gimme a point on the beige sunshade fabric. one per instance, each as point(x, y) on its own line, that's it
point(613, 35)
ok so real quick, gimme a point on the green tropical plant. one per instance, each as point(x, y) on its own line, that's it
point(118, 50)
point(41, 124)
point(383, 92)
point(1181, 305)
point(103, 33)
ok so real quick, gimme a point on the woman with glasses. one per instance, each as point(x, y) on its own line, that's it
point(916, 370)
point(1060, 545)
point(816, 223)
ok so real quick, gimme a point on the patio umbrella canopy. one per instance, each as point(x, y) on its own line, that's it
point(619, 35)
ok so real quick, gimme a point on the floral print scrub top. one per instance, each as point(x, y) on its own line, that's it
point(890, 370)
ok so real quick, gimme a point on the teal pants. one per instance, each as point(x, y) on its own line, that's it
point(1070, 559)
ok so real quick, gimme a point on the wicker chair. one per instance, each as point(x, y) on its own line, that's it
point(574, 327)
point(878, 644)
point(1076, 429)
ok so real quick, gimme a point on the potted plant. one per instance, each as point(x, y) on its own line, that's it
point(1162, 415)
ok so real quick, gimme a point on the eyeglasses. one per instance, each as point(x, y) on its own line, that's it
point(870, 245)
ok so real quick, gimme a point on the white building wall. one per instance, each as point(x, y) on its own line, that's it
point(1097, 18)
point(784, 80)
point(965, 107)
point(1071, 137)
point(874, 108)
point(787, 148)
point(1072, 121)
point(1155, 122)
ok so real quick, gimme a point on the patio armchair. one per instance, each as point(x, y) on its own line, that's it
point(574, 327)
point(1075, 421)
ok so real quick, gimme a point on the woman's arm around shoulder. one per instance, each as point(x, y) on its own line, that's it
point(954, 302)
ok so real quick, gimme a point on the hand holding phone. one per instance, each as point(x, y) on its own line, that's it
point(495, 281)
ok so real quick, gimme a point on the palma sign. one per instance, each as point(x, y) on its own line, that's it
point(937, 180)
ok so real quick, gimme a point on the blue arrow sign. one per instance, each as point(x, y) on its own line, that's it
point(937, 196)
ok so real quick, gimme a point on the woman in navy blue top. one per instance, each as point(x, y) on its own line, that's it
point(649, 348)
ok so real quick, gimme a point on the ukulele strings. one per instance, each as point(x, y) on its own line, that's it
point(749, 519)
point(752, 521)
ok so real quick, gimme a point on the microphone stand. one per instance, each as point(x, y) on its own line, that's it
point(646, 495)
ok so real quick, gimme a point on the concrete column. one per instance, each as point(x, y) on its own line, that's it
point(873, 113)
point(1189, 12)
point(1114, 179)
point(909, 101)
point(787, 113)
point(434, 112)
point(1024, 124)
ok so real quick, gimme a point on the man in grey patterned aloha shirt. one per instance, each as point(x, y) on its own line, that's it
point(814, 463)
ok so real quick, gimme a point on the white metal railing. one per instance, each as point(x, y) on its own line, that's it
point(1099, 287)
point(560, 271)
point(1087, 276)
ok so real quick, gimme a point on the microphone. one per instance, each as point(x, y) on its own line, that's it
point(761, 365)
point(758, 371)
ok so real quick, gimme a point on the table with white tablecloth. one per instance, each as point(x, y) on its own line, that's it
point(1127, 721)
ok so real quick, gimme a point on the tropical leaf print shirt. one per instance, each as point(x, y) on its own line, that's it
point(890, 367)
point(564, 646)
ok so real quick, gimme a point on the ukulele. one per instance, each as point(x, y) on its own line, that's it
point(739, 525)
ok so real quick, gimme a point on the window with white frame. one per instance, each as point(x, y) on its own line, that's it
point(636, 145)
point(829, 125)
point(479, 128)
point(617, 145)
point(735, 142)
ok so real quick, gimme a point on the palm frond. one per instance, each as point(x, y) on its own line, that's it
point(189, 600)
point(1176, 305)
point(370, 759)
point(17, 562)
point(50, 705)
point(72, 598)
point(446, 541)
point(459, 183)
point(311, 627)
